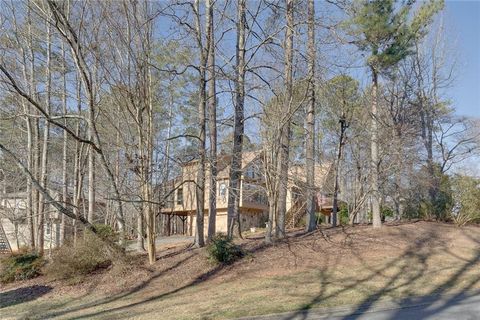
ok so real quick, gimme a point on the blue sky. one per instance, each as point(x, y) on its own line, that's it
point(462, 21)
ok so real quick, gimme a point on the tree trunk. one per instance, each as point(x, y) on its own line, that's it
point(212, 122)
point(233, 210)
point(35, 140)
point(77, 183)
point(150, 214)
point(91, 166)
point(200, 183)
point(311, 223)
point(284, 153)
point(140, 237)
point(271, 219)
point(375, 198)
point(65, 145)
point(337, 172)
point(36, 174)
point(46, 142)
point(29, 204)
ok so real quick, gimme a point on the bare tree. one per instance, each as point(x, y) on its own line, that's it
point(68, 33)
point(285, 130)
point(212, 119)
point(46, 141)
point(310, 127)
point(202, 108)
point(238, 127)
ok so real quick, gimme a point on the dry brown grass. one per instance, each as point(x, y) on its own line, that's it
point(331, 267)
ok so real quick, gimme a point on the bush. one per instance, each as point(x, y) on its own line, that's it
point(106, 232)
point(20, 265)
point(75, 262)
point(223, 250)
point(387, 212)
point(343, 215)
point(466, 196)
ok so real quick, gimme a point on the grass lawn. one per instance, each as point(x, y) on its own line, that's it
point(332, 267)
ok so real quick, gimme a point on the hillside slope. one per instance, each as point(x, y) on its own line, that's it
point(331, 267)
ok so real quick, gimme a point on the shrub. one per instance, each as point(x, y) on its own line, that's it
point(466, 198)
point(343, 215)
point(387, 212)
point(222, 250)
point(75, 262)
point(20, 265)
point(106, 232)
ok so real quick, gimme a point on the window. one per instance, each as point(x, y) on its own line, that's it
point(180, 196)
point(250, 172)
point(222, 190)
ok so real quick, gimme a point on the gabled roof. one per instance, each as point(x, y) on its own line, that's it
point(297, 174)
point(224, 161)
point(247, 159)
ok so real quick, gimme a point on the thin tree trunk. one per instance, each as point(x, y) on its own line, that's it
point(46, 142)
point(150, 217)
point(30, 210)
point(140, 228)
point(200, 183)
point(141, 160)
point(77, 183)
point(33, 142)
point(310, 128)
point(337, 171)
point(212, 122)
point(91, 162)
point(285, 133)
point(36, 174)
point(65, 145)
point(377, 221)
point(166, 168)
point(233, 209)
point(271, 218)
point(28, 121)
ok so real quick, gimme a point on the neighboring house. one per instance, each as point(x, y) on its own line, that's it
point(180, 207)
point(13, 218)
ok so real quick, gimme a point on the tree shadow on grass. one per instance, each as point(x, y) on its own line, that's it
point(429, 307)
point(106, 311)
point(21, 295)
point(398, 275)
point(122, 295)
point(412, 264)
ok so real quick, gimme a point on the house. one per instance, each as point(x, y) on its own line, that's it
point(13, 219)
point(179, 211)
point(181, 204)
point(297, 188)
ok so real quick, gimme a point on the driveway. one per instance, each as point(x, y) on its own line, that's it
point(162, 241)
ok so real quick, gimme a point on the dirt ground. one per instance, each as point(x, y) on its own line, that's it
point(330, 267)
